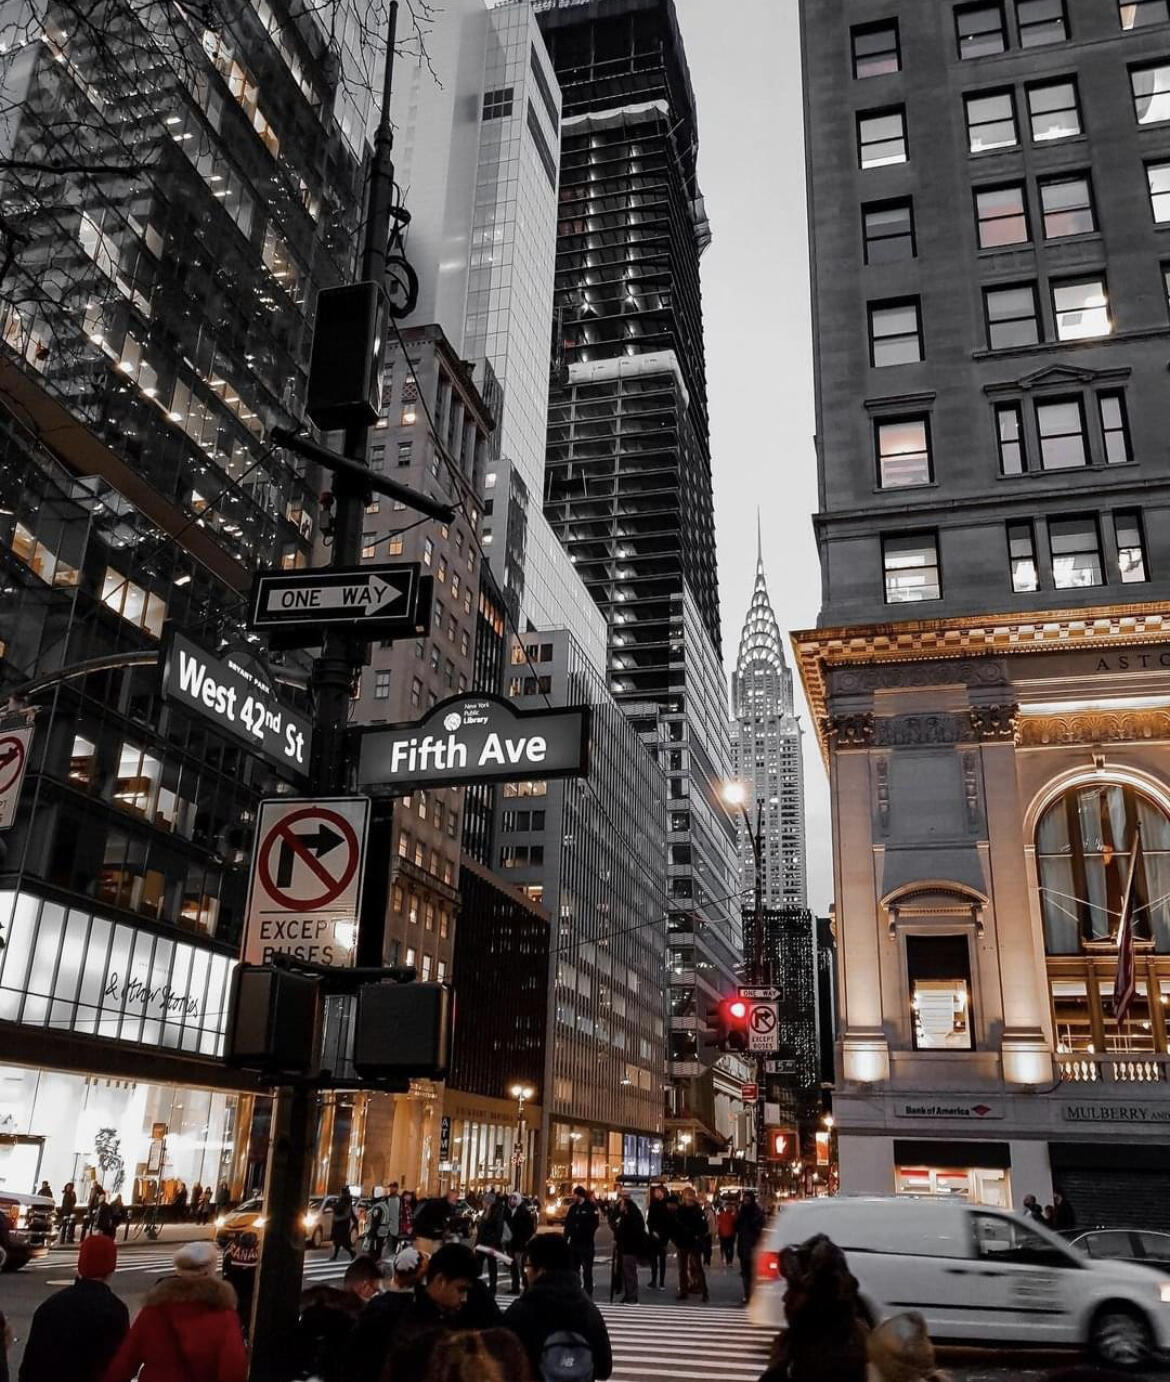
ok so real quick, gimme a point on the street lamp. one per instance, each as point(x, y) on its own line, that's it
point(520, 1092)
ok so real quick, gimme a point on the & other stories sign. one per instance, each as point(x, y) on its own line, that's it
point(475, 738)
point(239, 698)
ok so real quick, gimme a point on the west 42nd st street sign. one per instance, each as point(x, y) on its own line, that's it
point(475, 739)
point(367, 597)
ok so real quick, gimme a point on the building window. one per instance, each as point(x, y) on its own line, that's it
point(1083, 844)
point(1061, 424)
point(875, 49)
point(1158, 178)
point(895, 333)
point(1054, 111)
point(939, 971)
point(1114, 428)
point(910, 565)
point(381, 685)
point(1075, 545)
point(428, 551)
point(980, 30)
point(415, 692)
point(1135, 14)
point(1001, 216)
point(888, 232)
point(1081, 308)
point(1010, 436)
point(881, 138)
point(1013, 317)
point(1041, 22)
point(405, 449)
point(1151, 92)
point(369, 544)
point(498, 104)
point(903, 453)
point(1022, 557)
point(1131, 560)
point(1067, 206)
point(395, 546)
point(991, 122)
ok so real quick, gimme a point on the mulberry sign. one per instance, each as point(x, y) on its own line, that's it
point(475, 739)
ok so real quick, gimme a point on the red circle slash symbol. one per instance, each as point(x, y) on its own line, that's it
point(309, 847)
point(11, 760)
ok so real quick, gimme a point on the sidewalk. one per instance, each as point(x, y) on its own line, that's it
point(168, 1234)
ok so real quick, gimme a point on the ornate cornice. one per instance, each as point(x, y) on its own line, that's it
point(847, 731)
point(962, 650)
point(1092, 727)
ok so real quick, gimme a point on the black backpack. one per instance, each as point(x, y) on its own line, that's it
point(566, 1357)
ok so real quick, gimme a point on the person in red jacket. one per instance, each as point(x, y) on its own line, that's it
point(187, 1329)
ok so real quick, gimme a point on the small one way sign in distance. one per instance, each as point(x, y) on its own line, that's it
point(365, 596)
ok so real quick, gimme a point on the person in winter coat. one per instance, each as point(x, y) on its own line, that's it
point(75, 1332)
point(749, 1228)
point(328, 1321)
point(1063, 1217)
point(187, 1329)
point(581, 1223)
point(435, 1309)
point(660, 1226)
point(393, 1220)
point(489, 1236)
point(826, 1336)
point(65, 1219)
point(406, 1212)
point(341, 1229)
point(434, 1219)
point(725, 1228)
point(179, 1202)
point(223, 1196)
point(241, 1261)
point(555, 1303)
point(521, 1227)
point(690, 1231)
point(630, 1242)
point(1032, 1208)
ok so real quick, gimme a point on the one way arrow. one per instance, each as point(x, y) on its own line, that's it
point(320, 844)
point(365, 596)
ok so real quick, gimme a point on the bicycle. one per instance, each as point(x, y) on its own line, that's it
point(148, 1223)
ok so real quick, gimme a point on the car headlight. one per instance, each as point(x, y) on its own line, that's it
point(260, 1222)
point(1164, 1292)
point(219, 1223)
point(308, 1220)
point(551, 1207)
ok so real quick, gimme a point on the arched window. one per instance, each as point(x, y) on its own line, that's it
point(1083, 844)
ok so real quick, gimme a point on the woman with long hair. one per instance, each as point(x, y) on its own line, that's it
point(489, 1355)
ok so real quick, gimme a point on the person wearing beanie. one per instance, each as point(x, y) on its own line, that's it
point(900, 1350)
point(187, 1329)
point(75, 1332)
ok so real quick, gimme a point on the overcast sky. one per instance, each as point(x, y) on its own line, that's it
point(744, 57)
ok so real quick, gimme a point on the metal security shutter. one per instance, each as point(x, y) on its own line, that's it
point(1123, 1185)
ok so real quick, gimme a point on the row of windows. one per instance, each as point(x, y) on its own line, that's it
point(981, 30)
point(991, 118)
point(1053, 435)
point(1079, 308)
point(912, 571)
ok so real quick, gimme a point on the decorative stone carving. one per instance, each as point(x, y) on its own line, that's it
point(1093, 727)
point(849, 731)
point(883, 792)
point(968, 671)
point(934, 728)
point(994, 721)
point(971, 787)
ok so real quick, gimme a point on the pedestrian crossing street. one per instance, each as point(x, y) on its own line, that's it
point(715, 1343)
point(152, 1262)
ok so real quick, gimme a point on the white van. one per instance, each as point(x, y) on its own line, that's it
point(978, 1275)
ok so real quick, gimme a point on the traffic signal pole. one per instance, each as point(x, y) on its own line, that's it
point(292, 1136)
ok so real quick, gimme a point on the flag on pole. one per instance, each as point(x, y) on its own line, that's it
point(1125, 981)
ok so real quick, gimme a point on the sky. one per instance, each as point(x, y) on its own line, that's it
point(744, 57)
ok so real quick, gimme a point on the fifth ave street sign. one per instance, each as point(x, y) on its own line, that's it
point(368, 597)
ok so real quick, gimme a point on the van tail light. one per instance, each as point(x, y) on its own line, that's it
point(768, 1266)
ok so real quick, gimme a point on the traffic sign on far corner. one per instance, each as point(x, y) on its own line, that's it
point(749, 1093)
point(373, 599)
point(305, 889)
point(14, 745)
point(763, 1026)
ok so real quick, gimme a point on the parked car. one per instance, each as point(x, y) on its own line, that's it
point(317, 1221)
point(1139, 1245)
point(29, 1220)
point(978, 1275)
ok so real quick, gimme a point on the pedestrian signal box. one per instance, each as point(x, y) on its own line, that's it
point(780, 1144)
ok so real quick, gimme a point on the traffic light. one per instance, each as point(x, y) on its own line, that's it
point(729, 1021)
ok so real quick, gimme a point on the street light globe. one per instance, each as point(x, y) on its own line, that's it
point(734, 793)
point(827, 1120)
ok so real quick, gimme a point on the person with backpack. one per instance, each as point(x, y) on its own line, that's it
point(562, 1331)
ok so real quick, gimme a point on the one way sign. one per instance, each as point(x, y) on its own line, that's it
point(375, 599)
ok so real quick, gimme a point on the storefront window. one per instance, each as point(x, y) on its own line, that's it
point(939, 971)
point(1083, 845)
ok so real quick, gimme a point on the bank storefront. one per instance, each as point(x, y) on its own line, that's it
point(96, 1004)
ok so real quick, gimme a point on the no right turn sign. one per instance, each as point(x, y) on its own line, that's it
point(763, 1026)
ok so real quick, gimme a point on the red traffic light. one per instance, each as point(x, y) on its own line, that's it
point(738, 1009)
